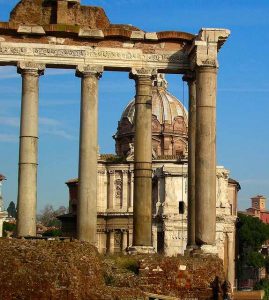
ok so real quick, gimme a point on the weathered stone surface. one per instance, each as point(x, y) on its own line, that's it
point(56, 270)
point(40, 12)
point(91, 33)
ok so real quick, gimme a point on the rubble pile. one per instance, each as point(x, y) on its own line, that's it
point(39, 269)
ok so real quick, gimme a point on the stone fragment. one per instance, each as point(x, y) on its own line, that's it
point(137, 35)
point(91, 33)
point(128, 45)
point(158, 269)
point(182, 267)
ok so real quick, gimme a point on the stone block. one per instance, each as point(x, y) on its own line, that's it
point(91, 33)
point(151, 36)
point(137, 35)
point(37, 30)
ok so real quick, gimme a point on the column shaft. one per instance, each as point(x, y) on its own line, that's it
point(28, 152)
point(231, 259)
point(142, 235)
point(88, 151)
point(124, 240)
point(205, 162)
point(111, 242)
point(191, 162)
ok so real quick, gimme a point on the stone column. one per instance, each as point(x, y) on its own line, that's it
point(131, 194)
point(190, 78)
point(203, 57)
point(111, 242)
point(231, 259)
point(125, 188)
point(88, 152)
point(124, 240)
point(111, 195)
point(205, 177)
point(142, 235)
point(28, 153)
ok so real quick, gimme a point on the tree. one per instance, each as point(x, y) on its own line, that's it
point(252, 233)
point(12, 212)
point(48, 216)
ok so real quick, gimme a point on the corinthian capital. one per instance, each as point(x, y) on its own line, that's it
point(206, 45)
point(31, 67)
point(87, 70)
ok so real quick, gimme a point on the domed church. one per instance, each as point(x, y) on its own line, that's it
point(170, 180)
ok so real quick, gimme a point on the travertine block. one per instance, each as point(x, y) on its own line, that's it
point(137, 35)
point(31, 30)
point(91, 33)
point(151, 36)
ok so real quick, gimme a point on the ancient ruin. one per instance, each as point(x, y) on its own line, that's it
point(64, 34)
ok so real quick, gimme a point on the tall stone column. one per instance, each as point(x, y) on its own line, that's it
point(231, 258)
point(88, 153)
point(190, 78)
point(142, 232)
point(204, 61)
point(205, 161)
point(28, 153)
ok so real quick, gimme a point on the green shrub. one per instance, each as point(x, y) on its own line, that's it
point(8, 227)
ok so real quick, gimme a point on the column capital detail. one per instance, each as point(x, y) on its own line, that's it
point(206, 45)
point(31, 67)
point(88, 70)
point(143, 73)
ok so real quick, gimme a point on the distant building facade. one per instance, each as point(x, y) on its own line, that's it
point(258, 209)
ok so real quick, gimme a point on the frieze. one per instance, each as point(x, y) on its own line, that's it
point(13, 50)
point(108, 57)
point(59, 52)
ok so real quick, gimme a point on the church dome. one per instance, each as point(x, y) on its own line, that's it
point(169, 123)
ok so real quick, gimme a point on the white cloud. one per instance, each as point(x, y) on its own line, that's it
point(245, 90)
point(60, 133)
point(255, 181)
point(49, 122)
point(8, 138)
point(10, 121)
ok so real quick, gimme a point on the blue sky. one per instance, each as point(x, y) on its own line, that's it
point(243, 90)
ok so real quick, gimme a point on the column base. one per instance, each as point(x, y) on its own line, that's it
point(190, 249)
point(203, 250)
point(209, 249)
point(140, 250)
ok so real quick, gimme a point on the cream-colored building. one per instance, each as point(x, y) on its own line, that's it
point(170, 181)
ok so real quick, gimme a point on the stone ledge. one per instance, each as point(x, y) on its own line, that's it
point(36, 30)
point(133, 250)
